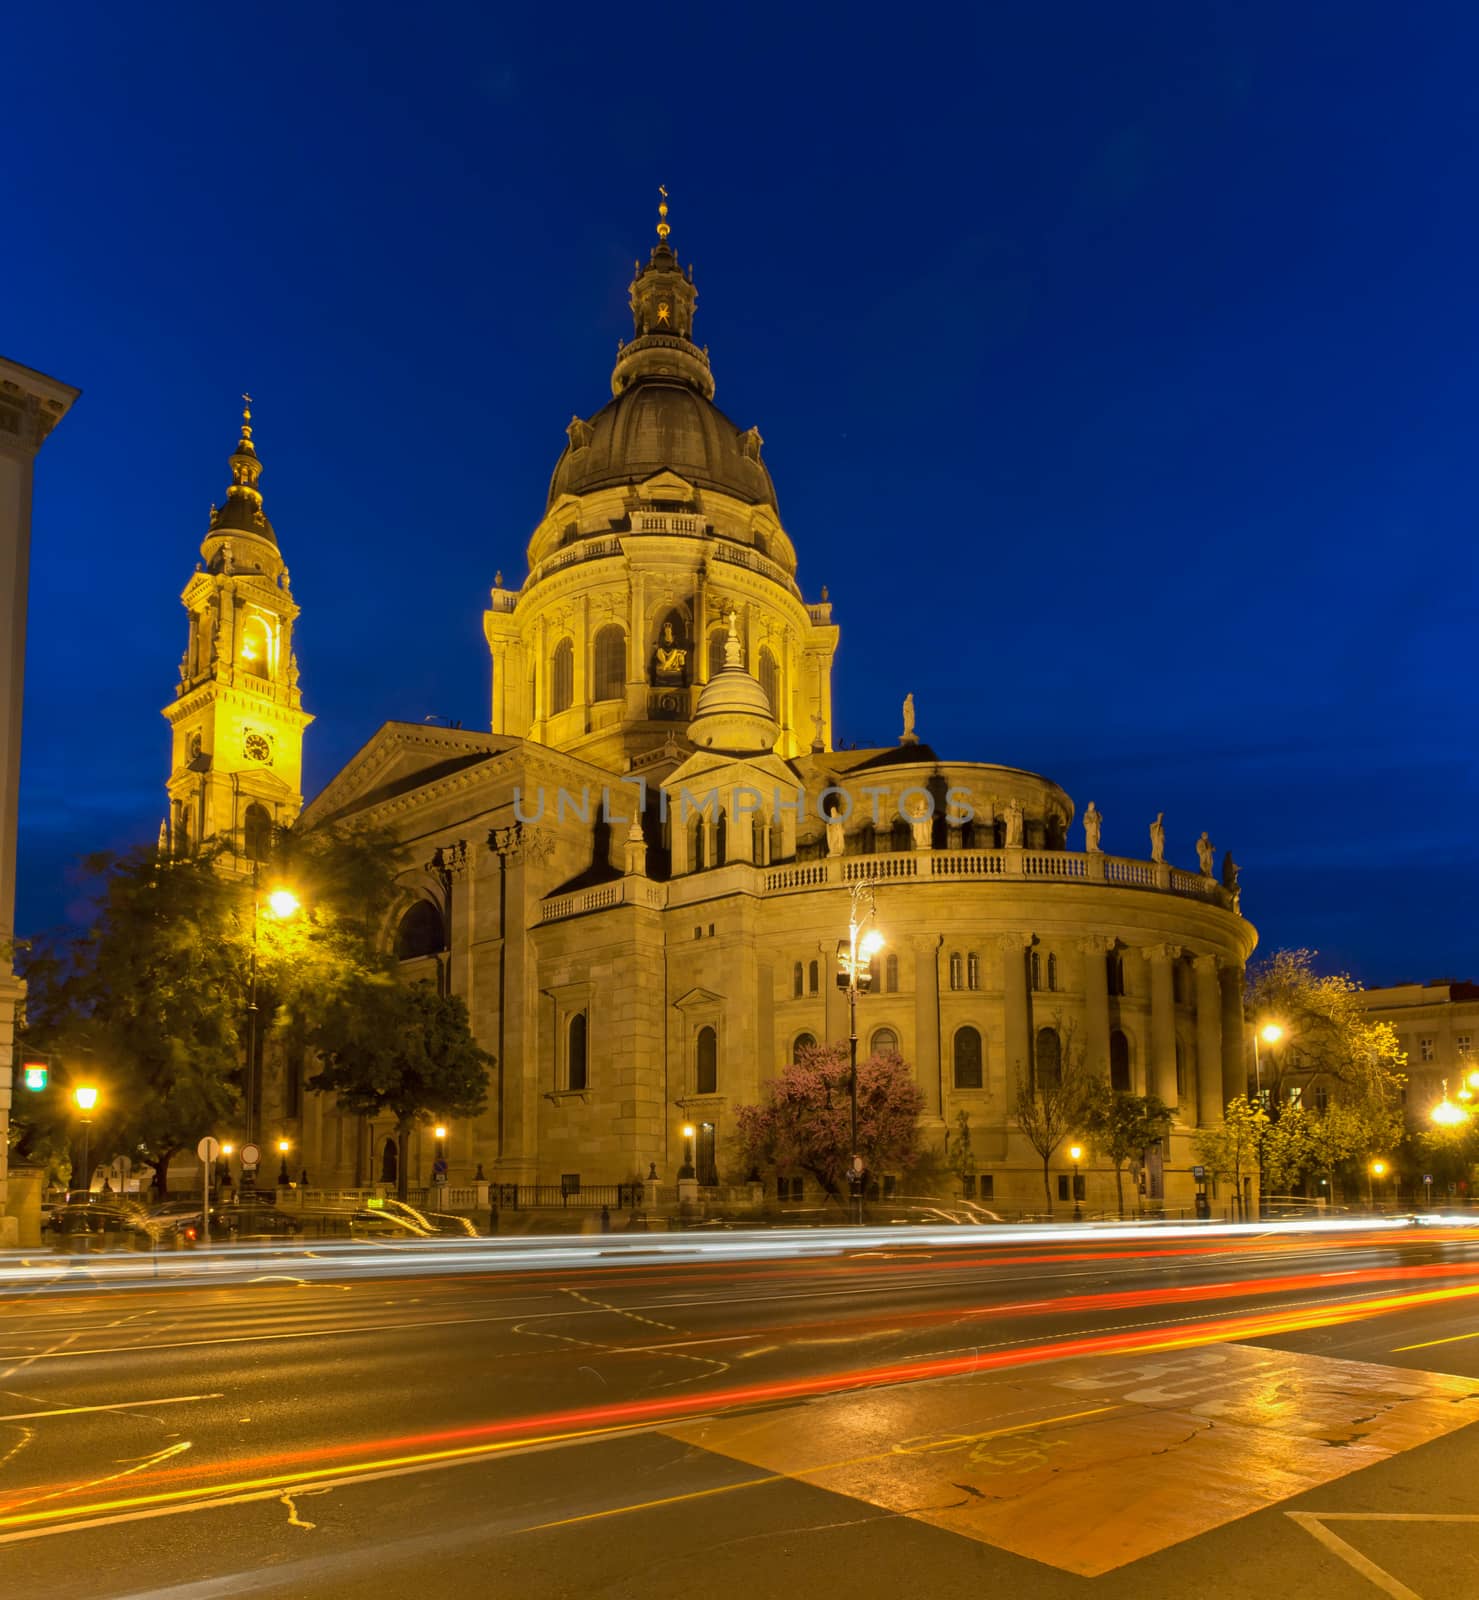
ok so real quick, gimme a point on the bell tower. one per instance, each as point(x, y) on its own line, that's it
point(237, 718)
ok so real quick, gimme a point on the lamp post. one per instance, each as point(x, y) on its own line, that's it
point(439, 1163)
point(86, 1097)
point(1270, 1033)
point(854, 962)
point(282, 903)
point(1075, 1155)
point(687, 1170)
point(284, 1178)
point(1377, 1171)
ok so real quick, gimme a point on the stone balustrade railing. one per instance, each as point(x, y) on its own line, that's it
point(956, 866)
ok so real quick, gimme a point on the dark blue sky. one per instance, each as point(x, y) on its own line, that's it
point(1116, 367)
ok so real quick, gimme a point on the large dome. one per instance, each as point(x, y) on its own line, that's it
point(656, 425)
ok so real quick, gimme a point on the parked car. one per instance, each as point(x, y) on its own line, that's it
point(102, 1222)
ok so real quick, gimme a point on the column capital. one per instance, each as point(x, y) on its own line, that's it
point(1210, 964)
point(1161, 952)
point(1097, 944)
point(1006, 943)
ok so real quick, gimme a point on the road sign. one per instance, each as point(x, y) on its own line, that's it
point(1199, 1173)
point(250, 1155)
point(36, 1074)
point(208, 1149)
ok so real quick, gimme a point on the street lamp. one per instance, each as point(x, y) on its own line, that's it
point(1270, 1033)
point(687, 1169)
point(282, 903)
point(86, 1097)
point(1445, 1113)
point(1075, 1155)
point(1378, 1171)
point(854, 961)
point(283, 1176)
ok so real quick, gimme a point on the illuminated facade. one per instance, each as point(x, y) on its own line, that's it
point(632, 878)
point(237, 719)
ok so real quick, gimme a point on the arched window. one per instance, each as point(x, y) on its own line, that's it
point(1036, 964)
point(256, 647)
point(696, 859)
point(1115, 972)
point(562, 678)
point(721, 840)
point(1049, 1057)
point(956, 969)
point(891, 975)
point(717, 640)
point(1052, 972)
point(900, 835)
point(885, 1042)
point(706, 1062)
point(421, 932)
point(577, 1067)
point(389, 1161)
point(1119, 1062)
point(1178, 983)
point(813, 975)
point(804, 1041)
point(798, 980)
point(867, 839)
point(256, 832)
point(611, 663)
point(967, 1058)
point(770, 681)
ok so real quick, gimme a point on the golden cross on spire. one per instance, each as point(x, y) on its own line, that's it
point(246, 416)
point(663, 229)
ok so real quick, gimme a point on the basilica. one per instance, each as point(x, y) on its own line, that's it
point(638, 876)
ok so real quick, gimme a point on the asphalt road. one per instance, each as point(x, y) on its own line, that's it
point(1251, 1415)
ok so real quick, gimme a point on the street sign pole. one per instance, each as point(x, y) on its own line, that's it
point(208, 1149)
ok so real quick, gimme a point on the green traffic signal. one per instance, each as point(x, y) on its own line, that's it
point(35, 1074)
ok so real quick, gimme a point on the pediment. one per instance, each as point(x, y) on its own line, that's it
point(667, 485)
point(398, 757)
point(712, 770)
point(698, 999)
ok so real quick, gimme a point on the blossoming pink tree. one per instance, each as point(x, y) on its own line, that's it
point(802, 1125)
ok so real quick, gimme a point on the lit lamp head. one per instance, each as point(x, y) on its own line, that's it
point(1445, 1113)
point(283, 903)
point(1474, 1079)
point(870, 944)
point(687, 1130)
point(228, 1149)
point(1271, 1033)
point(1075, 1153)
point(1378, 1169)
point(86, 1096)
point(439, 1132)
point(282, 1147)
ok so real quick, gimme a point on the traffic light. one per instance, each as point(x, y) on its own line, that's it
point(34, 1074)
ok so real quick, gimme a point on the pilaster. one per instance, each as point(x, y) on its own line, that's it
point(1234, 1034)
point(1017, 1065)
point(927, 1049)
point(1095, 950)
point(1209, 1040)
point(1162, 1065)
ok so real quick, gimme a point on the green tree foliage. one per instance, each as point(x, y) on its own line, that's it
point(1232, 1148)
point(1329, 1038)
point(1051, 1106)
point(407, 1050)
point(1120, 1126)
point(146, 1004)
point(803, 1123)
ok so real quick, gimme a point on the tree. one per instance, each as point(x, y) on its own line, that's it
point(1120, 1126)
point(1232, 1149)
point(407, 1050)
point(962, 1159)
point(1051, 1105)
point(802, 1124)
point(147, 1002)
point(1328, 1036)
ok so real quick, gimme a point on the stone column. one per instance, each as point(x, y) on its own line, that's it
point(1017, 1066)
point(1209, 1041)
point(1161, 1073)
point(1234, 1034)
point(927, 1052)
point(31, 405)
point(1095, 950)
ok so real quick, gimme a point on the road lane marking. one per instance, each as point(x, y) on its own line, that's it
point(1352, 1557)
point(117, 1405)
point(1428, 1344)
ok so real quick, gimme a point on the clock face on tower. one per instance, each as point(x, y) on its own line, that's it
point(257, 747)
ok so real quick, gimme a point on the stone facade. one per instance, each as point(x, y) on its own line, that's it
point(1438, 1026)
point(638, 878)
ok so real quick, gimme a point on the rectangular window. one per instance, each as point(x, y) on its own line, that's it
point(987, 1185)
point(955, 970)
point(1427, 1049)
point(1322, 1097)
point(968, 1186)
point(973, 970)
point(1063, 1186)
point(1296, 1094)
point(1464, 1044)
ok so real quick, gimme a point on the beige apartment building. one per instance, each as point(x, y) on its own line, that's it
point(637, 877)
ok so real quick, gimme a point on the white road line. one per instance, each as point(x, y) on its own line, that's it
point(1353, 1557)
point(117, 1405)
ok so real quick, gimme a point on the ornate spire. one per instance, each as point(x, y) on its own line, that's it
point(663, 229)
point(242, 512)
point(663, 301)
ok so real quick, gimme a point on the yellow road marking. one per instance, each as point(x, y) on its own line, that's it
point(1428, 1344)
point(954, 1442)
point(117, 1405)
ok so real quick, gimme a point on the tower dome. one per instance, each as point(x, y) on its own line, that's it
point(662, 414)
